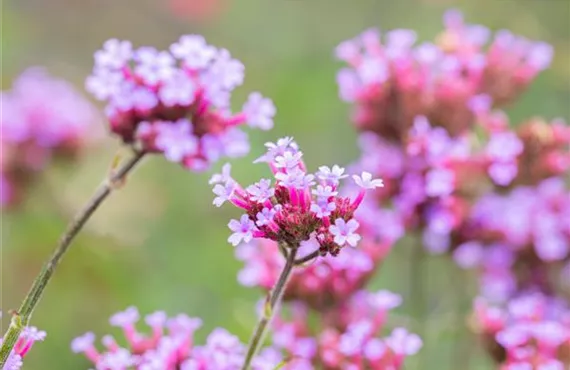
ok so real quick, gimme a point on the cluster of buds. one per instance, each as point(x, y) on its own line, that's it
point(393, 82)
point(169, 346)
point(531, 332)
point(177, 102)
point(29, 336)
point(348, 337)
point(43, 118)
point(295, 210)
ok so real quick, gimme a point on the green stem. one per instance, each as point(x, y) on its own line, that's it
point(269, 312)
point(21, 318)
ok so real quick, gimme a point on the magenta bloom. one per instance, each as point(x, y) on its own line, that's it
point(349, 336)
point(43, 118)
point(177, 102)
point(391, 79)
point(168, 346)
point(28, 337)
point(532, 329)
point(300, 206)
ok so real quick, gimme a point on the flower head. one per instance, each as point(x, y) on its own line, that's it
point(294, 210)
point(176, 102)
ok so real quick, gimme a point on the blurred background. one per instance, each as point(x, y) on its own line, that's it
point(159, 243)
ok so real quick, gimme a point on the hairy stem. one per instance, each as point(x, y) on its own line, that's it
point(21, 318)
point(270, 309)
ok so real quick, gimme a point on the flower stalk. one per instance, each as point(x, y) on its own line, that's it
point(270, 308)
point(21, 318)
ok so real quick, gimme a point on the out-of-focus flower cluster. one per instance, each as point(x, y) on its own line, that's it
point(321, 283)
point(177, 102)
point(169, 345)
point(29, 336)
point(520, 240)
point(456, 173)
point(301, 206)
point(394, 81)
point(531, 332)
point(43, 118)
point(349, 336)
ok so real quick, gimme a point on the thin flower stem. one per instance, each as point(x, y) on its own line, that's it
point(307, 258)
point(21, 318)
point(270, 309)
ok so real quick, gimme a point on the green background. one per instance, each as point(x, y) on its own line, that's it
point(159, 243)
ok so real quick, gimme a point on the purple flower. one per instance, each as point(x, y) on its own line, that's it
point(288, 160)
point(365, 181)
point(193, 51)
point(404, 343)
point(323, 208)
point(440, 182)
point(154, 66)
point(259, 111)
point(222, 177)
point(504, 146)
point(223, 193)
point(125, 318)
point(345, 232)
point(468, 255)
point(114, 55)
point(331, 176)
point(261, 191)
point(175, 140)
point(178, 89)
point(243, 230)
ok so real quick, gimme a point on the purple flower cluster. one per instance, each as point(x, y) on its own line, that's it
point(29, 336)
point(455, 172)
point(177, 102)
point(394, 81)
point(531, 332)
point(299, 207)
point(168, 346)
point(348, 337)
point(42, 118)
point(522, 237)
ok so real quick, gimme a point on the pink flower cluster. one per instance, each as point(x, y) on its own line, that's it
point(455, 172)
point(177, 102)
point(321, 283)
point(348, 337)
point(29, 336)
point(531, 332)
point(169, 346)
point(522, 237)
point(393, 82)
point(42, 118)
point(299, 207)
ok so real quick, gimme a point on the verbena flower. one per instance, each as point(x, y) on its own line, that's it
point(298, 207)
point(168, 345)
point(177, 102)
point(349, 335)
point(531, 331)
point(391, 81)
point(43, 118)
point(27, 338)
